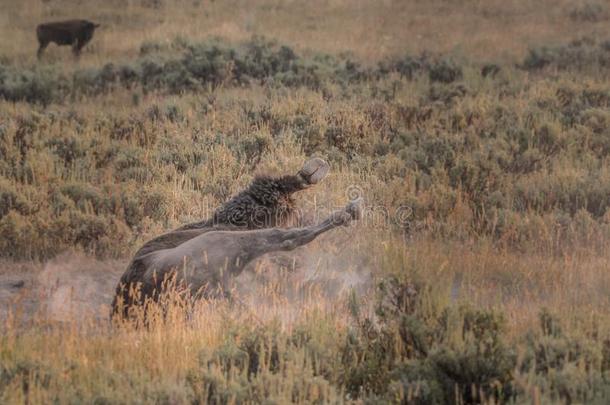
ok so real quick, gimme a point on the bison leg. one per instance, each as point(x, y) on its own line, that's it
point(41, 47)
point(313, 171)
point(279, 239)
point(214, 258)
point(77, 45)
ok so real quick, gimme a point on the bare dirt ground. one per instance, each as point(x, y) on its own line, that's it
point(70, 286)
point(75, 287)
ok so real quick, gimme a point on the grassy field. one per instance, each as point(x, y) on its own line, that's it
point(478, 133)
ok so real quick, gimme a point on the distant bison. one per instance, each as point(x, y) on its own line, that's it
point(72, 32)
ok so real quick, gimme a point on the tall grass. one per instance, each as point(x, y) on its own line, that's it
point(514, 159)
point(477, 275)
point(404, 340)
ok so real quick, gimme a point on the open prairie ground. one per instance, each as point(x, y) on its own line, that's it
point(478, 133)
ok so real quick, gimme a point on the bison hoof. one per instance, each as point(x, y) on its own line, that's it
point(314, 170)
point(354, 208)
point(352, 212)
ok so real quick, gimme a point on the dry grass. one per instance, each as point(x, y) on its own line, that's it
point(491, 30)
point(489, 200)
point(63, 356)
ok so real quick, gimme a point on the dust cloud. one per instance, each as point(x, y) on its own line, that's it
point(74, 287)
point(319, 276)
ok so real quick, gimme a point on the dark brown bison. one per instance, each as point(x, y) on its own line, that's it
point(72, 32)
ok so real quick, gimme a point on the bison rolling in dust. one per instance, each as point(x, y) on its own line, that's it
point(76, 33)
point(203, 257)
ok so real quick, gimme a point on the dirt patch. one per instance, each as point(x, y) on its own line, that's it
point(71, 286)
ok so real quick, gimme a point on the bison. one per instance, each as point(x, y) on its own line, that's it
point(72, 32)
point(205, 256)
point(204, 265)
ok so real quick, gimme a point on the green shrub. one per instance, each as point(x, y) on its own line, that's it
point(68, 149)
point(589, 12)
point(566, 367)
point(19, 236)
point(407, 66)
point(37, 85)
point(583, 55)
point(439, 356)
point(12, 199)
point(266, 365)
point(85, 197)
point(444, 71)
